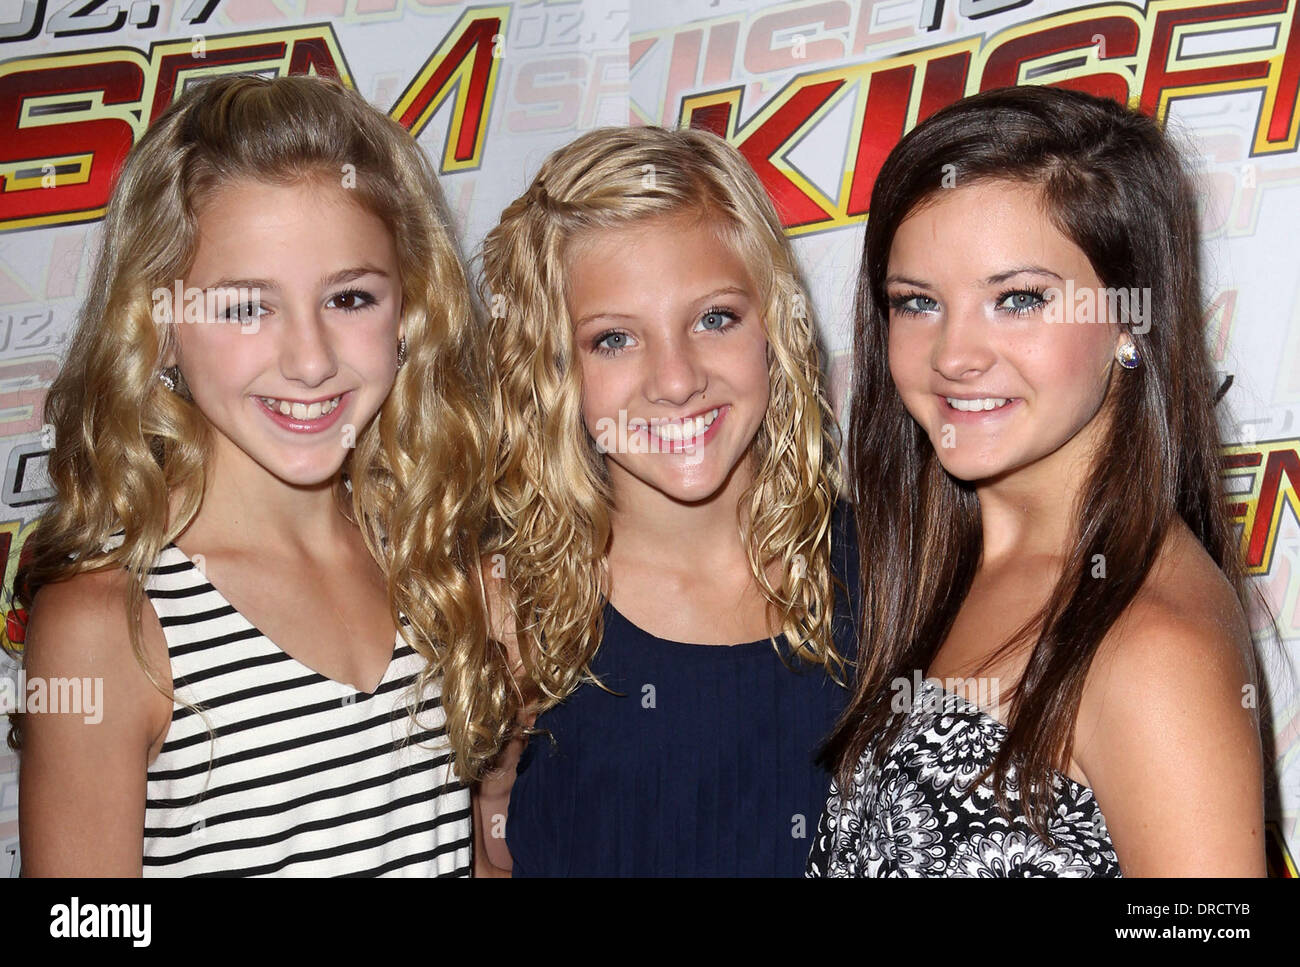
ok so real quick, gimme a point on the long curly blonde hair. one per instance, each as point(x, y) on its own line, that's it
point(124, 443)
point(549, 487)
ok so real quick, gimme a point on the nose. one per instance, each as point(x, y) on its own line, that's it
point(676, 373)
point(962, 349)
point(306, 348)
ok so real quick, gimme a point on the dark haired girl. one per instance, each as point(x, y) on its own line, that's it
point(1058, 677)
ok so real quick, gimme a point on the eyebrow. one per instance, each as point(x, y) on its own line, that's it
point(1021, 270)
point(716, 293)
point(994, 279)
point(334, 278)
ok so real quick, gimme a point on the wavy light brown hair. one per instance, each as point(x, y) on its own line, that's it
point(549, 486)
point(124, 443)
point(1115, 185)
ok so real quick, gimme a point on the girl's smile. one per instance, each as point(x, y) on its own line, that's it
point(301, 416)
point(682, 435)
point(978, 409)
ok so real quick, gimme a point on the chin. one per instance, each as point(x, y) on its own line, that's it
point(304, 473)
point(965, 470)
point(973, 468)
point(687, 489)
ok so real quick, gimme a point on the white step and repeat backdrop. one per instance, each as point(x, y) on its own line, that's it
point(814, 94)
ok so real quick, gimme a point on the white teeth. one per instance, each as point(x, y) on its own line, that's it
point(973, 406)
point(301, 411)
point(687, 429)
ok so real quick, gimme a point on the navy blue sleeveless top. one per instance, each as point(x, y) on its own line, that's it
point(702, 765)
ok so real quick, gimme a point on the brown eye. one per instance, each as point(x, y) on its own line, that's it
point(243, 311)
point(352, 300)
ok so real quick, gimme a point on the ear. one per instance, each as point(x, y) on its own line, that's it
point(170, 353)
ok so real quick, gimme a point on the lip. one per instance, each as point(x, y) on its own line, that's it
point(318, 425)
point(952, 415)
point(663, 445)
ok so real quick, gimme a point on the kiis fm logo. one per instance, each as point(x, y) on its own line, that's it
point(1149, 58)
point(67, 121)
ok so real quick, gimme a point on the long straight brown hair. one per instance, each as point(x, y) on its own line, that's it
point(1115, 185)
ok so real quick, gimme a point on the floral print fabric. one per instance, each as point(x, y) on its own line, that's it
point(922, 815)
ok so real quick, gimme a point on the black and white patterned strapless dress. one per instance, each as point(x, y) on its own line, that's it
point(921, 815)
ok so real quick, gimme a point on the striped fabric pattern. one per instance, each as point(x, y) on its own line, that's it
point(300, 775)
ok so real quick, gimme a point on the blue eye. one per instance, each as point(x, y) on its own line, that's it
point(1021, 301)
point(611, 343)
point(718, 319)
point(912, 304)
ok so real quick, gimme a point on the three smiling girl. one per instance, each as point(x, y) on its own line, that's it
point(635, 652)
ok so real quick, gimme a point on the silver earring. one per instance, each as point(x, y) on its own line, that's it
point(401, 352)
point(168, 377)
point(1127, 356)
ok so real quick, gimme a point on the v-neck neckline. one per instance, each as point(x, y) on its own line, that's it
point(388, 669)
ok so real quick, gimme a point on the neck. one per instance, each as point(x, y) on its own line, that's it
point(650, 527)
point(244, 505)
point(1032, 511)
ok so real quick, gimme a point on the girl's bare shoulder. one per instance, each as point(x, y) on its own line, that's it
point(1169, 706)
point(1185, 625)
point(79, 628)
point(82, 775)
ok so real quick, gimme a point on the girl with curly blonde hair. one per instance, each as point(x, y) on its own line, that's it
point(665, 537)
point(265, 426)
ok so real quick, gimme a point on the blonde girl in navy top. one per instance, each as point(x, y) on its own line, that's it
point(666, 538)
point(286, 461)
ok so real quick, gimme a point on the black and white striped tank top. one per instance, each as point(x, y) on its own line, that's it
point(301, 775)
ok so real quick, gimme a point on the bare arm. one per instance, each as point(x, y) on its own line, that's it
point(1173, 752)
point(492, 794)
point(491, 803)
point(81, 788)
